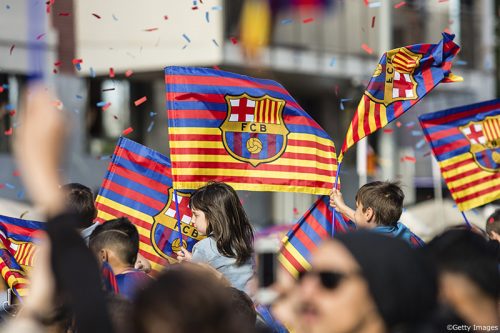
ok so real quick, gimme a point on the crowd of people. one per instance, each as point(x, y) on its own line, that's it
point(380, 278)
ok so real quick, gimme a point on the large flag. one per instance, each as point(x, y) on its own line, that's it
point(466, 143)
point(17, 251)
point(138, 185)
point(247, 132)
point(403, 77)
point(312, 228)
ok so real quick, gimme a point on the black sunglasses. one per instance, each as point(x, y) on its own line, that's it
point(329, 279)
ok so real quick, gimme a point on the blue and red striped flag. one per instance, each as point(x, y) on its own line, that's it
point(402, 78)
point(138, 185)
point(247, 132)
point(312, 228)
point(17, 251)
point(466, 143)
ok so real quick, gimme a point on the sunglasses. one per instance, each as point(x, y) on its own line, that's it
point(328, 279)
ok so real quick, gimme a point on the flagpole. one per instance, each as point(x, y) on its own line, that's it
point(466, 221)
point(178, 215)
point(335, 187)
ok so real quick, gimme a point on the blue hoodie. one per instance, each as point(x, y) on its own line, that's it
point(400, 231)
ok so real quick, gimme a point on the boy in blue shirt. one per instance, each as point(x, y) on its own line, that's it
point(379, 206)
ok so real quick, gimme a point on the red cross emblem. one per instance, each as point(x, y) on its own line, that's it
point(475, 134)
point(402, 86)
point(242, 109)
point(184, 210)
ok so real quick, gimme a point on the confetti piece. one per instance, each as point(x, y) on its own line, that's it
point(388, 130)
point(100, 104)
point(416, 133)
point(448, 31)
point(151, 29)
point(286, 21)
point(10, 186)
point(233, 40)
point(105, 157)
point(410, 124)
point(77, 61)
point(64, 14)
point(399, 5)
point(40, 36)
point(215, 42)
point(332, 62)
point(295, 211)
point(20, 194)
point(398, 123)
point(375, 4)
point(92, 72)
point(115, 116)
point(217, 8)
point(150, 127)
point(373, 21)
point(79, 96)
point(129, 73)
point(194, 8)
point(185, 46)
point(410, 159)
point(366, 48)
point(216, 67)
point(127, 131)
point(420, 144)
point(207, 17)
point(186, 38)
point(16, 173)
point(12, 49)
point(165, 17)
point(427, 154)
point(58, 63)
point(114, 17)
point(96, 16)
point(12, 113)
point(1, 90)
point(106, 106)
point(108, 89)
point(140, 101)
point(308, 20)
point(111, 72)
point(366, 2)
point(8, 132)
point(460, 63)
point(5, 86)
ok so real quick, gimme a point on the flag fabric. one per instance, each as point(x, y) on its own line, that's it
point(249, 133)
point(403, 77)
point(138, 185)
point(312, 228)
point(17, 251)
point(466, 143)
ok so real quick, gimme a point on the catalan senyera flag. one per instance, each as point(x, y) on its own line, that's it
point(249, 133)
point(403, 77)
point(466, 143)
point(312, 228)
point(138, 185)
point(17, 251)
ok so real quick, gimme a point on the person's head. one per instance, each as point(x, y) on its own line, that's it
point(379, 203)
point(184, 299)
point(116, 243)
point(365, 281)
point(493, 225)
point(217, 212)
point(468, 273)
point(243, 307)
point(121, 313)
point(79, 198)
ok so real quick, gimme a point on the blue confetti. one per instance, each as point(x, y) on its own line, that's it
point(184, 46)
point(78, 67)
point(186, 38)
point(5, 86)
point(195, 2)
point(333, 61)
point(152, 114)
point(215, 42)
point(410, 124)
point(207, 17)
point(286, 21)
point(420, 144)
point(79, 96)
point(7, 7)
point(345, 100)
point(105, 157)
point(114, 17)
point(374, 5)
point(100, 104)
point(76, 111)
point(10, 186)
point(92, 72)
point(20, 194)
point(217, 8)
point(460, 63)
point(9, 107)
point(416, 133)
point(150, 127)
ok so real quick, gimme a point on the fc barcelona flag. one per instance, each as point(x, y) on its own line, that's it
point(312, 228)
point(249, 133)
point(403, 77)
point(17, 251)
point(466, 143)
point(138, 185)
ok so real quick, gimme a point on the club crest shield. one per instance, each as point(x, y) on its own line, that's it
point(254, 130)
point(165, 229)
point(396, 78)
point(484, 138)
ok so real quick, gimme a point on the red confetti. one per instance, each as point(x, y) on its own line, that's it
point(388, 130)
point(366, 48)
point(140, 101)
point(64, 14)
point(151, 29)
point(54, 71)
point(9, 131)
point(12, 113)
point(194, 7)
point(233, 40)
point(111, 72)
point(165, 17)
point(106, 106)
point(295, 211)
point(127, 131)
point(77, 61)
point(116, 117)
point(373, 21)
point(1, 89)
point(308, 20)
point(40, 36)
point(58, 63)
point(398, 124)
point(16, 173)
point(49, 5)
point(216, 67)
point(367, 2)
point(129, 73)
point(2, 186)
point(399, 5)
point(12, 48)
point(410, 159)
point(95, 15)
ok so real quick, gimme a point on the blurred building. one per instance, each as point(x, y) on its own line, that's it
point(324, 58)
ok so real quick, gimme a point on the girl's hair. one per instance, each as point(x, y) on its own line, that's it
point(227, 221)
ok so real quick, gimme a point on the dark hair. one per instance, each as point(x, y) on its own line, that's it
point(243, 307)
point(466, 252)
point(115, 236)
point(184, 299)
point(493, 222)
point(385, 198)
point(120, 312)
point(80, 199)
point(227, 221)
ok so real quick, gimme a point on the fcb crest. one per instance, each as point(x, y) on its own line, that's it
point(396, 78)
point(165, 230)
point(254, 130)
point(484, 138)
